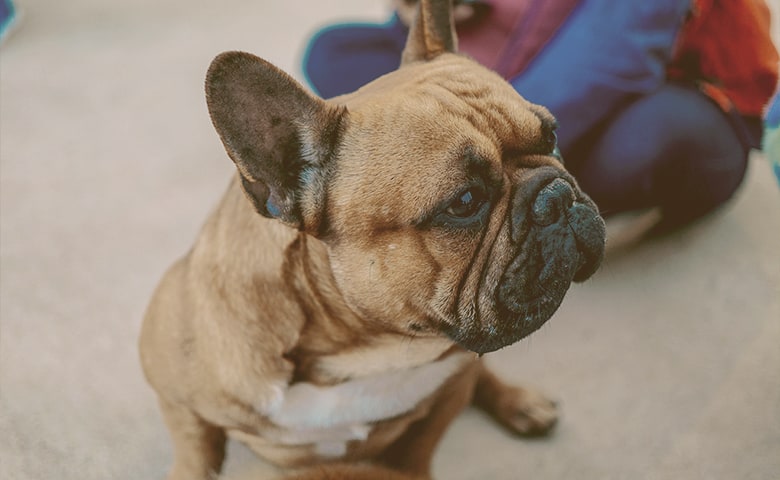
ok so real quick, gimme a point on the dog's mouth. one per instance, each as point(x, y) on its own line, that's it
point(562, 239)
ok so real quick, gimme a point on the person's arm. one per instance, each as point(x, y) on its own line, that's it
point(604, 54)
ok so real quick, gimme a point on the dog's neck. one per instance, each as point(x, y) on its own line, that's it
point(333, 342)
point(336, 344)
point(330, 325)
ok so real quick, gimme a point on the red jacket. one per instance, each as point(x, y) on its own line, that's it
point(726, 48)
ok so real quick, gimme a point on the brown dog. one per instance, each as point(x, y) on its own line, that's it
point(402, 228)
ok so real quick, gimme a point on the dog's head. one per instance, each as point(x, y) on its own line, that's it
point(438, 190)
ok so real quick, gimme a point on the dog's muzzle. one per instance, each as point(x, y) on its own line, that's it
point(559, 237)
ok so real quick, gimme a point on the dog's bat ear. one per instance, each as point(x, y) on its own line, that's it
point(432, 33)
point(280, 136)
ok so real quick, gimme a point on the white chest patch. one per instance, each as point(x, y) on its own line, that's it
point(366, 399)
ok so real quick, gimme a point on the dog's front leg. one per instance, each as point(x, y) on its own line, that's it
point(521, 410)
point(199, 447)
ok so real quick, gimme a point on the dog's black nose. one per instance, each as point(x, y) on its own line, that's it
point(552, 202)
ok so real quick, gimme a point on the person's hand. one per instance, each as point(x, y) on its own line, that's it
point(465, 10)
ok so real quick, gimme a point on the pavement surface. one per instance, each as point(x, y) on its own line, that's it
point(666, 363)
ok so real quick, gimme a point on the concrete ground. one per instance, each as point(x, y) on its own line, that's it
point(667, 363)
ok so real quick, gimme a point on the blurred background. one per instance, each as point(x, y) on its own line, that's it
point(666, 364)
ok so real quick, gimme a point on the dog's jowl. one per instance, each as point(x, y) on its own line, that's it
point(333, 307)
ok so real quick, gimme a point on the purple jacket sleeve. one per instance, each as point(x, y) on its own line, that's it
point(606, 52)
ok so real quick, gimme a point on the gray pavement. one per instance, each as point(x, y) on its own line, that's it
point(666, 363)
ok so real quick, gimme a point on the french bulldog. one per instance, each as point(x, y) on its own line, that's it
point(334, 308)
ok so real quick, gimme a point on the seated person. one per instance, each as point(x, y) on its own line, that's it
point(659, 103)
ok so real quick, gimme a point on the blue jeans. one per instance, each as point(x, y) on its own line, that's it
point(674, 149)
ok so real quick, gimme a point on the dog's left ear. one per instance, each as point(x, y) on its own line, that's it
point(432, 33)
point(280, 136)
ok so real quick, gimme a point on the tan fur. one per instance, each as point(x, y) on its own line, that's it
point(346, 288)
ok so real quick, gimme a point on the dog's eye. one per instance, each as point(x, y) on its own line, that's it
point(467, 203)
point(551, 144)
point(466, 210)
point(551, 140)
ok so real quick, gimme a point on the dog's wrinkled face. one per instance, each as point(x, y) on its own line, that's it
point(437, 188)
point(450, 211)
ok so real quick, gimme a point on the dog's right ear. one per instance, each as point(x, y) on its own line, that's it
point(432, 33)
point(280, 137)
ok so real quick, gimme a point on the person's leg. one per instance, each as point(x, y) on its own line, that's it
point(342, 58)
point(674, 149)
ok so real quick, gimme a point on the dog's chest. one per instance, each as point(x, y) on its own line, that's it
point(384, 380)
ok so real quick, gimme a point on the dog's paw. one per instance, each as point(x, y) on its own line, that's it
point(525, 412)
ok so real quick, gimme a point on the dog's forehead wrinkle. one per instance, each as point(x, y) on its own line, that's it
point(408, 197)
point(508, 121)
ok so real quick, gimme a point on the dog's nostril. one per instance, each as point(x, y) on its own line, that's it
point(557, 197)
